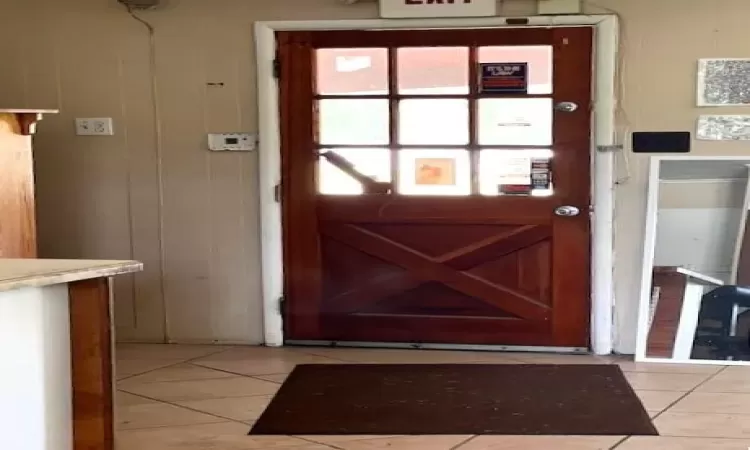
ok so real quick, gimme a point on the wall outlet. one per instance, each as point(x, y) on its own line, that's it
point(95, 127)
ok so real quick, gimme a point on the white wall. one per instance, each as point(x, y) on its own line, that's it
point(700, 239)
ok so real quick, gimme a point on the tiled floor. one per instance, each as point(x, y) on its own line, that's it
point(206, 398)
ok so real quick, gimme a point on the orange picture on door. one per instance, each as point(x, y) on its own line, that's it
point(435, 171)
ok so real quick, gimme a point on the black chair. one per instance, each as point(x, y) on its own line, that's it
point(715, 335)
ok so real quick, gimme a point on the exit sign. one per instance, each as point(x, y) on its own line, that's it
point(405, 9)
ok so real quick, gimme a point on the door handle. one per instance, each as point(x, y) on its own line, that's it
point(567, 211)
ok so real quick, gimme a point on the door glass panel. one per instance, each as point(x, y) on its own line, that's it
point(434, 122)
point(434, 172)
point(354, 171)
point(352, 71)
point(515, 172)
point(538, 58)
point(433, 70)
point(515, 121)
point(354, 122)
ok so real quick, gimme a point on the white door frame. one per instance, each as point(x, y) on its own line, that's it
point(603, 136)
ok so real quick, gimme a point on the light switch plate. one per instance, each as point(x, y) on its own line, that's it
point(232, 142)
point(101, 126)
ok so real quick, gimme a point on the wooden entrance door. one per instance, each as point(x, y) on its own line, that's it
point(419, 203)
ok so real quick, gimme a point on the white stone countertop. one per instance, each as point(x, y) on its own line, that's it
point(22, 273)
point(28, 111)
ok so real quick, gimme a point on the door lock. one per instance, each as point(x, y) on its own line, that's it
point(567, 211)
point(566, 107)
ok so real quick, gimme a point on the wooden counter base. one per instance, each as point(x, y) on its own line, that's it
point(91, 353)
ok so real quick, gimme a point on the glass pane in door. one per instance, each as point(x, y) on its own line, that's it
point(538, 58)
point(515, 121)
point(353, 171)
point(434, 172)
point(353, 122)
point(433, 70)
point(434, 122)
point(352, 71)
point(515, 172)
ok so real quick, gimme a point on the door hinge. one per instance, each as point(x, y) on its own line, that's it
point(277, 193)
point(282, 305)
point(277, 68)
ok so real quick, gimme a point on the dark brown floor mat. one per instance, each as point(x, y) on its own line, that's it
point(409, 399)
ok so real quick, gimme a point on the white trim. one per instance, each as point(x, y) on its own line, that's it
point(688, 324)
point(603, 198)
point(269, 170)
point(605, 53)
point(649, 244)
point(741, 231)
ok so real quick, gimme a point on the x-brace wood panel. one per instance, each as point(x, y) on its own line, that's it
point(448, 269)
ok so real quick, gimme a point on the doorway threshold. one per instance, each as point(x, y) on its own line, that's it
point(427, 346)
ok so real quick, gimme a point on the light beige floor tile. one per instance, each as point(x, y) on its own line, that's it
point(125, 399)
point(128, 367)
point(727, 384)
point(734, 426)
point(254, 362)
point(154, 414)
point(658, 400)
point(221, 436)
point(262, 354)
point(235, 408)
point(403, 443)
point(277, 378)
point(165, 352)
point(266, 367)
point(742, 372)
point(180, 372)
point(676, 443)
point(395, 356)
point(705, 402)
point(647, 381)
point(541, 443)
point(174, 391)
point(631, 366)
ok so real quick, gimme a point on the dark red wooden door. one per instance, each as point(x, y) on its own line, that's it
point(420, 202)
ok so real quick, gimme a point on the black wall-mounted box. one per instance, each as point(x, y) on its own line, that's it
point(661, 142)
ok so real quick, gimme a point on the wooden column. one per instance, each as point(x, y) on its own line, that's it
point(17, 218)
point(91, 351)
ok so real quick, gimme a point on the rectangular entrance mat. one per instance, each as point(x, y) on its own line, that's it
point(457, 399)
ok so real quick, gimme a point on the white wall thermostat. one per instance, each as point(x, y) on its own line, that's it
point(232, 142)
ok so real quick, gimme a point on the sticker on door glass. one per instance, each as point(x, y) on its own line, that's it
point(515, 172)
point(435, 171)
point(541, 175)
point(504, 78)
point(513, 176)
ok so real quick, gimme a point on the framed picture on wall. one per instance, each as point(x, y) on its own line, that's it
point(724, 82)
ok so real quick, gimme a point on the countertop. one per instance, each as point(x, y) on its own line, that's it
point(22, 273)
point(28, 111)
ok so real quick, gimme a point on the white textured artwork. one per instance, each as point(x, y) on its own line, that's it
point(724, 128)
point(724, 82)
